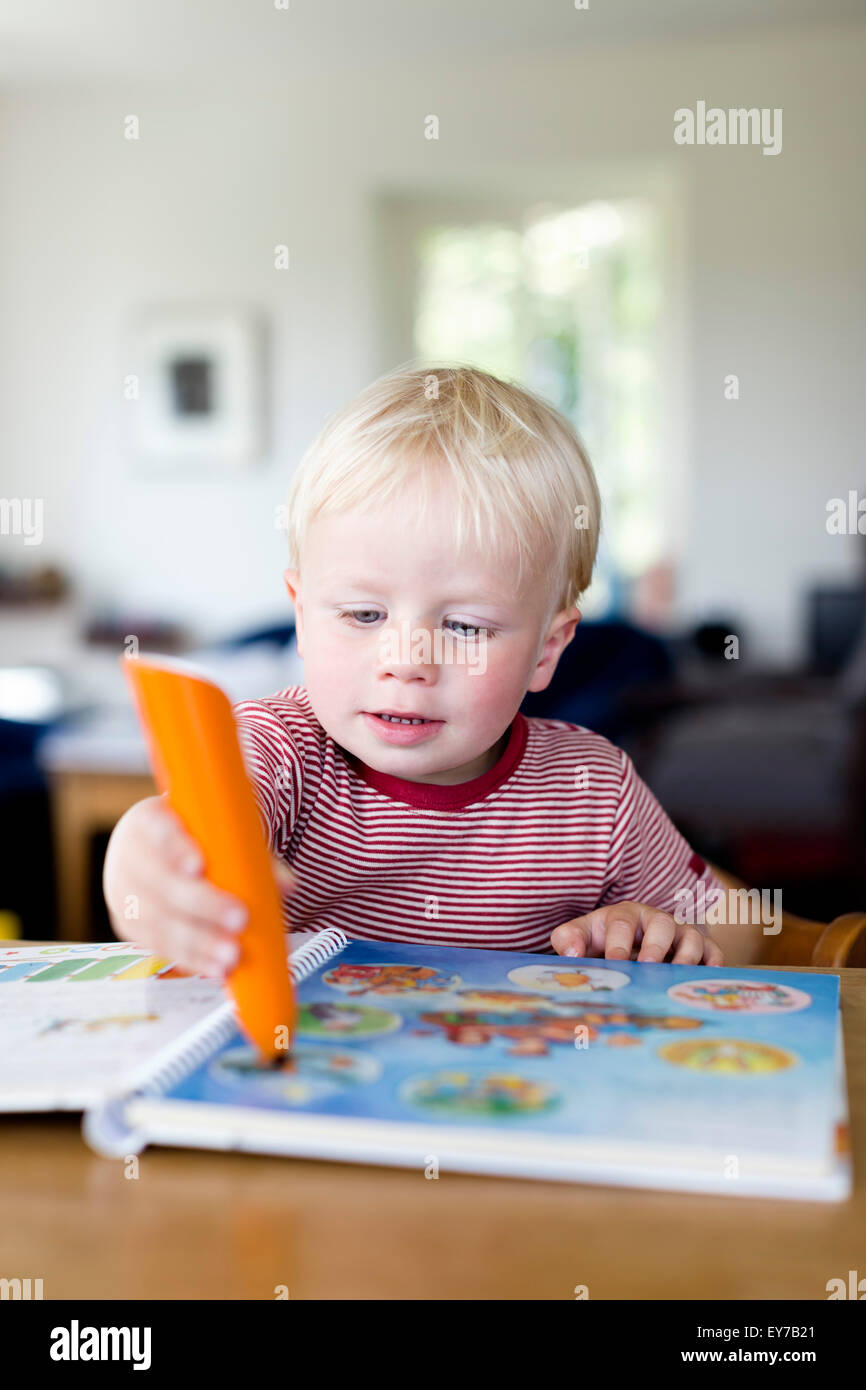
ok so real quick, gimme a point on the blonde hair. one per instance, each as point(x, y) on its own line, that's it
point(521, 473)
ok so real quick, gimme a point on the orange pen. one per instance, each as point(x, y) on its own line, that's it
point(196, 758)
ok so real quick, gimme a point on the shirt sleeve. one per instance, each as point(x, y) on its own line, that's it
point(649, 860)
point(275, 766)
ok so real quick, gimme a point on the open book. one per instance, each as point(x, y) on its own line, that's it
point(439, 1058)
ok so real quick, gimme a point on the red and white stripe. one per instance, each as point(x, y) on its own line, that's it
point(560, 825)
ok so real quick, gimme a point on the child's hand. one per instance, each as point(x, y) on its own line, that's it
point(158, 897)
point(614, 931)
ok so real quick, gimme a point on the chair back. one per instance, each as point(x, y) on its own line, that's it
point(839, 943)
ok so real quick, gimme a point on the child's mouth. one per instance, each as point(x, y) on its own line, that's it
point(402, 729)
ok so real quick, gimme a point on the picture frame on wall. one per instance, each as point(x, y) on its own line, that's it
point(195, 389)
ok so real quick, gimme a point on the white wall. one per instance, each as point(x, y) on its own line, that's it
point(92, 225)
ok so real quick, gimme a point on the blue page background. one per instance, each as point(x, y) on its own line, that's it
point(626, 1094)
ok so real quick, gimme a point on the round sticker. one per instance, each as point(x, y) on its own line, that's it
point(407, 981)
point(568, 980)
point(739, 996)
point(309, 1073)
point(728, 1056)
point(503, 1001)
point(327, 1020)
point(493, 1094)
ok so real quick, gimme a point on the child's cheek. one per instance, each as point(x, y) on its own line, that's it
point(331, 668)
point(494, 684)
point(329, 650)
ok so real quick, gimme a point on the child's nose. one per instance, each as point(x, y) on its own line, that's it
point(409, 652)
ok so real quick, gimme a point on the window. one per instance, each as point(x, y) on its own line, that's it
point(566, 301)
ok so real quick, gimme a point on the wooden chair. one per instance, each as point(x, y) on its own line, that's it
point(800, 942)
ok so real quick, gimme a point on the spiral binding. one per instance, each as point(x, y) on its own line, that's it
point(104, 1128)
point(212, 1032)
point(314, 953)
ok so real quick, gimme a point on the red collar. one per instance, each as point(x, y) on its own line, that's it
point(434, 797)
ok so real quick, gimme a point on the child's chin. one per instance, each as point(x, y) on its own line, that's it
point(412, 762)
point(403, 762)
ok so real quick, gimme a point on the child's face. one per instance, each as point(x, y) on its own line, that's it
point(375, 589)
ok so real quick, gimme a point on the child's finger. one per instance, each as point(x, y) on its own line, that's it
point(621, 923)
point(205, 952)
point(176, 939)
point(659, 930)
point(690, 950)
point(573, 938)
point(201, 900)
point(168, 836)
point(198, 947)
point(713, 953)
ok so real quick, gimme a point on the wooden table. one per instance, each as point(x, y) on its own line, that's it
point(218, 1226)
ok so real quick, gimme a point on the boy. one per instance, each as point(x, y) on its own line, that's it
point(441, 528)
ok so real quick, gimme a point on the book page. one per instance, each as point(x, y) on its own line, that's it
point(76, 1017)
point(736, 1065)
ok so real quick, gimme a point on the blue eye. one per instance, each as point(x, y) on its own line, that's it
point(365, 617)
point(470, 630)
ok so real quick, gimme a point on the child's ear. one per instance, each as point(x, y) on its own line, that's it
point(559, 634)
point(292, 581)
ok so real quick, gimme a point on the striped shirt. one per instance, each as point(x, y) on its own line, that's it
point(561, 824)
